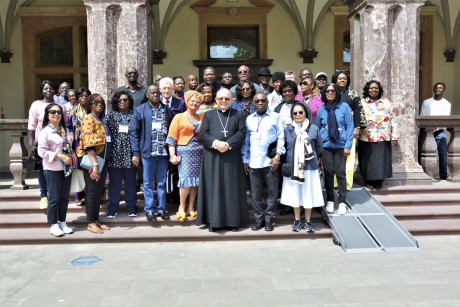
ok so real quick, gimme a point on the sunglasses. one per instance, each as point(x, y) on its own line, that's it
point(289, 90)
point(297, 113)
point(59, 112)
point(122, 100)
point(305, 83)
point(321, 79)
point(96, 102)
point(330, 91)
point(345, 71)
point(242, 72)
point(263, 100)
point(246, 89)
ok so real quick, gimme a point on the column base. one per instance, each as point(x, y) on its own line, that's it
point(408, 178)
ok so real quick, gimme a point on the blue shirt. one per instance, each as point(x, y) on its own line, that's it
point(261, 131)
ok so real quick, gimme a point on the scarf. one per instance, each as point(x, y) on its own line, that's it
point(302, 151)
point(332, 126)
point(66, 148)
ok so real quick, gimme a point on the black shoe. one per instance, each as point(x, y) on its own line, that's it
point(164, 215)
point(233, 229)
point(308, 227)
point(269, 226)
point(258, 226)
point(150, 216)
point(297, 226)
point(212, 229)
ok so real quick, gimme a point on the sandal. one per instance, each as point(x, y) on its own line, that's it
point(94, 228)
point(193, 215)
point(181, 217)
point(102, 226)
point(80, 202)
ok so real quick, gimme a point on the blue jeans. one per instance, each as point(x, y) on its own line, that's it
point(155, 168)
point(116, 177)
point(441, 142)
point(58, 198)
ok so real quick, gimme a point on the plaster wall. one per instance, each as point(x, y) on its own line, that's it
point(11, 92)
point(442, 71)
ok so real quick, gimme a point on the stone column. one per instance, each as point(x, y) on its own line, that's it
point(134, 40)
point(118, 37)
point(385, 47)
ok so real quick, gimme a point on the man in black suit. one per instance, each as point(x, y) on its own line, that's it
point(175, 104)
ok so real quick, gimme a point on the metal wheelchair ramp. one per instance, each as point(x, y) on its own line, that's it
point(368, 227)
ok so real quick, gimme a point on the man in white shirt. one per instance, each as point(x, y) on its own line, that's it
point(436, 106)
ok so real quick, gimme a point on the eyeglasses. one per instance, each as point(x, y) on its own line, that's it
point(297, 113)
point(288, 90)
point(263, 100)
point(58, 112)
point(330, 91)
point(223, 98)
point(242, 72)
point(246, 89)
point(122, 100)
point(305, 83)
point(96, 102)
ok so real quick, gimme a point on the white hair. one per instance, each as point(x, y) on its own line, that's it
point(166, 80)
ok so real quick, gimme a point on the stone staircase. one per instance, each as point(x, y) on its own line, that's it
point(423, 210)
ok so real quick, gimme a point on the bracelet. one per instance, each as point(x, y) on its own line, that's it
point(95, 164)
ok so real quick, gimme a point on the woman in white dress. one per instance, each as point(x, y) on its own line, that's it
point(303, 187)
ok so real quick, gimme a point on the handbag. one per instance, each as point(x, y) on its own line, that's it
point(271, 151)
point(78, 181)
point(87, 164)
point(172, 180)
point(286, 169)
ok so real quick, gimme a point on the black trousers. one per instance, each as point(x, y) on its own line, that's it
point(257, 177)
point(58, 187)
point(334, 164)
point(94, 191)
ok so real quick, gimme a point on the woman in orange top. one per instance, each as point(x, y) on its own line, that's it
point(185, 150)
point(94, 141)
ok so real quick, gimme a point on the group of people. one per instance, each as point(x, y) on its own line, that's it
point(222, 138)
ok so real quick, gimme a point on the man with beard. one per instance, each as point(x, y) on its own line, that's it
point(136, 90)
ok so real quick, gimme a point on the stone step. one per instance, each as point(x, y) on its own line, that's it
point(156, 233)
point(34, 220)
point(426, 212)
point(419, 199)
point(432, 226)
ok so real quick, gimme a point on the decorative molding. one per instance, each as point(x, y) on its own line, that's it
point(308, 55)
point(339, 10)
point(5, 56)
point(450, 54)
point(158, 56)
point(51, 11)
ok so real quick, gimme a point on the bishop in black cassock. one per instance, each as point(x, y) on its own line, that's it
point(221, 200)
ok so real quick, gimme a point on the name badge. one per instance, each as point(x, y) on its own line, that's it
point(108, 139)
point(156, 126)
point(255, 135)
point(123, 129)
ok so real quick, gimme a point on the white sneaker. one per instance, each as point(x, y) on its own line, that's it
point(330, 207)
point(56, 231)
point(342, 209)
point(66, 229)
point(44, 203)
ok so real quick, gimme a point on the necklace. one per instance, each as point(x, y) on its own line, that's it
point(226, 124)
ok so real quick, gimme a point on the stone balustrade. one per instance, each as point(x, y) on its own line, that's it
point(429, 148)
point(17, 129)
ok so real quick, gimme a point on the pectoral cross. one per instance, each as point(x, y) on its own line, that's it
point(224, 132)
